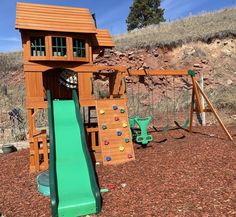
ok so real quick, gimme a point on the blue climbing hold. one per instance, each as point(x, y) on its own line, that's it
point(108, 158)
point(119, 133)
point(115, 107)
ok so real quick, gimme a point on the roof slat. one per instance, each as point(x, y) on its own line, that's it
point(103, 39)
point(54, 18)
point(50, 7)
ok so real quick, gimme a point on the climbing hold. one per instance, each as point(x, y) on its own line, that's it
point(119, 133)
point(115, 107)
point(108, 158)
point(126, 140)
point(104, 190)
point(122, 110)
point(106, 142)
point(124, 124)
point(104, 126)
point(102, 112)
point(117, 118)
point(111, 186)
point(121, 148)
point(130, 156)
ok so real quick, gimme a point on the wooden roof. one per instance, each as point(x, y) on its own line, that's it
point(103, 39)
point(54, 18)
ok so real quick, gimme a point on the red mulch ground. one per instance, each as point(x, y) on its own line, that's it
point(193, 176)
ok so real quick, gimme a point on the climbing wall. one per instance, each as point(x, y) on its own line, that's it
point(114, 131)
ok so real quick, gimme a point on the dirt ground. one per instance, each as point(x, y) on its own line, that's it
point(177, 175)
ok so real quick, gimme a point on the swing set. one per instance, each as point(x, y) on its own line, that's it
point(139, 125)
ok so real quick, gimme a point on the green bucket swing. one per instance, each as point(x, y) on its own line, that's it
point(142, 136)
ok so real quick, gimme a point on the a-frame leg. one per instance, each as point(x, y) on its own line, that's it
point(214, 111)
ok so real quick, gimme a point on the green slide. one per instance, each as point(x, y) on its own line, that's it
point(73, 187)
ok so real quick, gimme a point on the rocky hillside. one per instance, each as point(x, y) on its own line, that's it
point(216, 61)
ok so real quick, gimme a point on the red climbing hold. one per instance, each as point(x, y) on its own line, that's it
point(106, 142)
point(130, 156)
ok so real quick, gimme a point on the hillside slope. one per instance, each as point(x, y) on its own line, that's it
point(204, 28)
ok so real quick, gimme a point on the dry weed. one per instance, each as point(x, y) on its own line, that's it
point(204, 28)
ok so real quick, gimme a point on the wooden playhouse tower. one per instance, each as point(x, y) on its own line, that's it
point(60, 44)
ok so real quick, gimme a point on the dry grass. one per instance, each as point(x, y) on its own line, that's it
point(204, 28)
point(12, 95)
point(10, 62)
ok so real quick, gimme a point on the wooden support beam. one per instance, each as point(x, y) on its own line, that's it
point(88, 68)
point(35, 113)
point(36, 154)
point(196, 92)
point(93, 129)
point(87, 102)
point(30, 122)
point(84, 68)
point(40, 104)
point(214, 112)
point(191, 113)
point(45, 151)
point(204, 110)
point(116, 85)
point(156, 72)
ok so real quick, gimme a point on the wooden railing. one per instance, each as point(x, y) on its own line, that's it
point(93, 142)
point(39, 152)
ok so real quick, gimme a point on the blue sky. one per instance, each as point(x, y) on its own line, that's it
point(111, 14)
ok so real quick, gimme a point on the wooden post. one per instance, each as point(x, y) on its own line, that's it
point(196, 92)
point(116, 85)
point(45, 151)
point(191, 113)
point(214, 112)
point(30, 122)
point(36, 153)
point(203, 114)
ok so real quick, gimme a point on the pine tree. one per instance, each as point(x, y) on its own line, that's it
point(143, 13)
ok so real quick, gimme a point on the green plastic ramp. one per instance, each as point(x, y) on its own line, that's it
point(73, 187)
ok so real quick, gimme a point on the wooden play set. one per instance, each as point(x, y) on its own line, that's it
point(60, 45)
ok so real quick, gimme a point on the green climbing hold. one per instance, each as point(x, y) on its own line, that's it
point(122, 110)
point(104, 126)
point(126, 140)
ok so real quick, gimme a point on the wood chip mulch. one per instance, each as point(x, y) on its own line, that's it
point(177, 175)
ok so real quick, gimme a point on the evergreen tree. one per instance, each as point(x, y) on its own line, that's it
point(143, 13)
